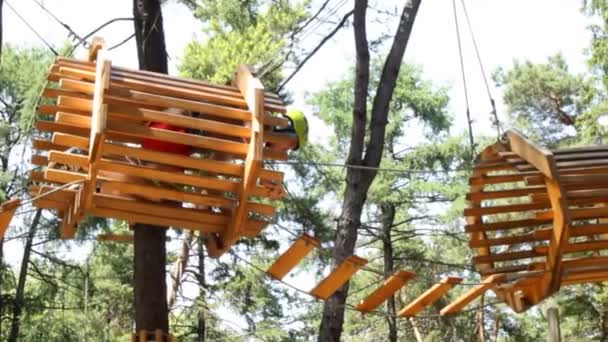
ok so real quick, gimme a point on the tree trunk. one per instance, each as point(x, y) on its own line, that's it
point(202, 326)
point(417, 333)
point(20, 292)
point(151, 310)
point(481, 331)
point(180, 266)
point(388, 218)
point(358, 181)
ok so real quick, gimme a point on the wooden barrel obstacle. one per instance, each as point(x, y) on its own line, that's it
point(92, 162)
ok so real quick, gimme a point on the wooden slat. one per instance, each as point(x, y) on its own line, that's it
point(540, 158)
point(48, 126)
point(292, 256)
point(220, 167)
point(39, 160)
point(272, 101)
point(487, 195)
point(148, 219)
point(253, 91)
point(178, 178)
point(68, 140)
point(470, 295)
point(179, 196)
point(141, 99)
point(511, 208)
point(43, 144)
point(506, 256)
point(338, 277)
point(499, 179)
point(502, 225)
point(429, 296)
point(7, 211)
point(120, 238)
point(388, 288)
point(215, 221)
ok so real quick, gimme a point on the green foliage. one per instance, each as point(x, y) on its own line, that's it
point(545, 100)
point(238, 32)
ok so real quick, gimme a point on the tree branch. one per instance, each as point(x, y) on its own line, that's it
point(315, 50)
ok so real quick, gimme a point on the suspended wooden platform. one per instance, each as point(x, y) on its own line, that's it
point(91, 131)
point(537, 219)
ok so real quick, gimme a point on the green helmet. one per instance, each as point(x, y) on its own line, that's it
point(300, 125)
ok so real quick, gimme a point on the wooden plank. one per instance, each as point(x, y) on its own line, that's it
point(429, 297)
point(292, 256)
point(513, 268)
point(173, 89)
point(388, 288)
point(48, 126)
point(272, 101)
point(97, 44)
point(68, 140)
point(511, 240)
point(77, 124)
point(51, 110)
point(73, 120)
point(142, 131)
point(63, 195)
point(499, 179)
point(540, 158)
point(7, 211)
point(120, 238)
point(210, 165)
point(39, 160)
point(141, 99)
point(44, 203)
point(43, 144)
point(178, 178)
point(179, 196)
point(510, 208)
point(253, 91)
point(213, 220)
point(503, 225)
point(338, 277)
point(506, 256)
point(459, 303)
point(498, 194)
point(148, 219)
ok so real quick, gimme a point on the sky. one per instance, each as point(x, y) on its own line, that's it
point(504, 30)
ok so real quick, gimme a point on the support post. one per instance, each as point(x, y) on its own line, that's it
point(554, 332)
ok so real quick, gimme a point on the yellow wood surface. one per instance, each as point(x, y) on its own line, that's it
point(338, 277)
point(429, 297)
point(292, 256)
point(253, 92)
point(7, 211)
point(540, 158)
point(388, 288)
point(459, 303)
point(134, 78)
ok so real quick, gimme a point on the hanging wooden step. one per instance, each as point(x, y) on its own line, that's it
point(122, 238)
point(292, 256)
point(471, 294)
point(338, 277)
point(7, 211)
point(387, 289)
point(430, 296)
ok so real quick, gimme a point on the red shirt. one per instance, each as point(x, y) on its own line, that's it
point(164, 146)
